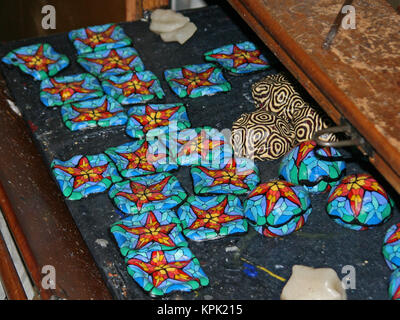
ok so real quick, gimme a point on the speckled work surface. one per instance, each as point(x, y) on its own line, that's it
point(320, 243)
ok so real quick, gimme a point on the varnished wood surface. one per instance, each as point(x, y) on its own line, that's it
point(8, 274)
point(135, 8)
point(154, 4)
point(357, 79)
point(37, 216)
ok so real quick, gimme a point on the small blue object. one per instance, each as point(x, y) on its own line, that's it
point(250, 270)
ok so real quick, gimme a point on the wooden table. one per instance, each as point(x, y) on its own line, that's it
point(357, 80)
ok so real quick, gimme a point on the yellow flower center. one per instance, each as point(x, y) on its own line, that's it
point(195, 80)
point(116, 60)
point(141, 195)
point(37, 60)
point(96, 38)
point(228, 174)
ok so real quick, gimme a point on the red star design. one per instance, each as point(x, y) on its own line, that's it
point(353, 188)
point(199, 144)
point(193, 80)
point(212, 218)
point(161, 270)
point(228, 175)
point(396, 295)
point(154, 118)
point(240, 57)
point(270, 234)
point(66, 90)
point(142, 194)
point(87, 114)
point(306, 147)
point(95, 38)
point(37, 61)
point(113, 61)
point(134, 85)
point(84, 172)
point(395, 236)
point(141, 158)
point(152, 231)
point(273, 191)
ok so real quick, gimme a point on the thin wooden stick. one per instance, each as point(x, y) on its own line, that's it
point(335, 27)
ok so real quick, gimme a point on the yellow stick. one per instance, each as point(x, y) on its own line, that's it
point(265, 270)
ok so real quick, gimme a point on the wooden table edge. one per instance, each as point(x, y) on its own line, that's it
point(79, 276)
point(384, 156)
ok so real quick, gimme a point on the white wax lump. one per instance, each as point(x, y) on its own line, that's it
point(181, 35)
point(171, 25)
point(166, 20)
point(307, 283)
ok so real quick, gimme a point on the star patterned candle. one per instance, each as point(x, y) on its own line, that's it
point(277, 208)
point(153, 230)
point(38, 60)
point(317, 169)
point(359, 202)
point(238, 176)
point(102, 112)
point(111, 62)
point(165, 271)
point(159, 191)
point(394, 285)
point(98, 38)
point(239, 58)
point(156, 119)
point(140, 157)
point(62, 90)
point(133, 87)
point(391, 247)
point(201, 146)
point(84, 175)
point(213, 217)
point(197, 80)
